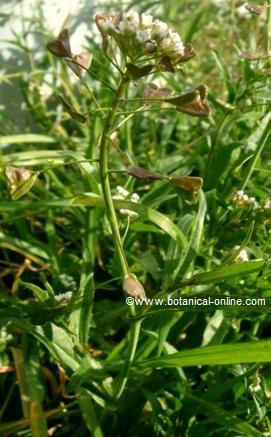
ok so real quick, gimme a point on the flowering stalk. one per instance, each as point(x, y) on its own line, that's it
point(104, 175)
point(111, 214)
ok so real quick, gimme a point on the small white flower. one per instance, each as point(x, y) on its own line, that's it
point(133, 32)
point(143, 35)
point(243, 12)
point(128, 212)
point(123, 25)
point(267, 204)
point(172, 45)
point(63, 297)
point(241, 256)
point(132, 18)
point(242, 199)
point(146, 20)
point(159, 29)
point(135, 197)
point(122, 192)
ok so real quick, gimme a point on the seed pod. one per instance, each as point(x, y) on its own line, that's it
point(133, 287)
point(60, 46)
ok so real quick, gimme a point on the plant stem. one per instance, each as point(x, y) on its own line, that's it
point(104, 174)
point(133, 340)
point(268, 30)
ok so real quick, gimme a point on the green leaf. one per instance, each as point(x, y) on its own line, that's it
point(81, 314)
point(257, 143)
point(38, 292)
point(7, 140)
point(33, 250)
point(195, 238)
point(252, 352)
point(89, 415)
point(223, 417)
point(59, 343)
point(226, 75)
point(228, 272)
point(146, 213)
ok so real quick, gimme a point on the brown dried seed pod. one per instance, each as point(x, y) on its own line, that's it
point(133, 287)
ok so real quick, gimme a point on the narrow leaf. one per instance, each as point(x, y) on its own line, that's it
point(228, 272)
point(250, 352)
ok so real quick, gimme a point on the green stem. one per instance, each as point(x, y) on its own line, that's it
point(268, 30)
point(133, 340)
point(104, 174)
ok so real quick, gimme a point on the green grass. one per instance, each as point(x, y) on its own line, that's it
point(74, 357)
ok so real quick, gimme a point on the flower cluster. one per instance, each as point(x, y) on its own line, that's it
point(123, 194)
point(242, 199)
point(138, 35)
point(241, 254)
point(63, 297)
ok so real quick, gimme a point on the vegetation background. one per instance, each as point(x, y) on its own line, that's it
point(65, 326)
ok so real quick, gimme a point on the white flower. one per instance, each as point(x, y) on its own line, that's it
point(146, 20)
point(121, 192)
point(135, 197)
point(241, 256)
point(132, 18)
point(159, 29)
point(172, 45)
point(133, 32)
point(63, 296)
point(243, 12)
point(143, 35)
point(267, 204)
point(242, 199)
